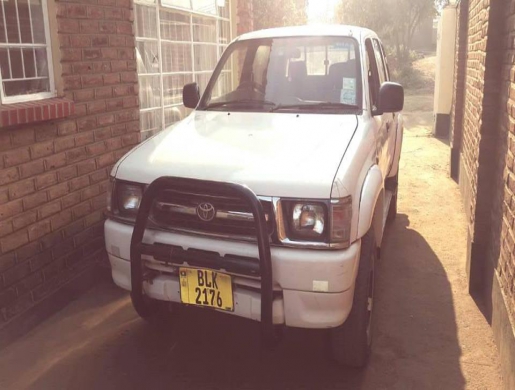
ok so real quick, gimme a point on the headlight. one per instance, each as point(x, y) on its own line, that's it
point(308, 219)
point(124, 198)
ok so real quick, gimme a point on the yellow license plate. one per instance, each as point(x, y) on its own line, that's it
point(204, 287)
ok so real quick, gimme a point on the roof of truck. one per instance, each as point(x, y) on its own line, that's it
point(311, 30)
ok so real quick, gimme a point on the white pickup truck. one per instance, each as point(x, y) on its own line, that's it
point(270, 199)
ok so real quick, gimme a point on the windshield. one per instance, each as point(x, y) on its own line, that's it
point(287, 74)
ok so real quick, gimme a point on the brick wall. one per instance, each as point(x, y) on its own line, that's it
point(504, 212)
point(53, 175)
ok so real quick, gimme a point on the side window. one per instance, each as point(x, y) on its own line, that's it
point(260, 65)
point(380, 63)
point(373, 74)
point(386, 67)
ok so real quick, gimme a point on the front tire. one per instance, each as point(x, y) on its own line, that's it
point(351, 342)
point(154, 311)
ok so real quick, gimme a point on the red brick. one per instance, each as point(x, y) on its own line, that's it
point(32, 169)
point(58, 191)
point(84, 95)
point(49, 209)
point(25, 219)
point(29, 283)
point(96, 149)
point(7, 261)
point(6, 227)
point(55, 161)
point(84, 139)
point(95, 12)
point(113, 143)
point(107, 27)
point(98, 176)
point(71, 55)
point(16, 157)
point(79, 182)
point(21, 188)
point(41, 260)
point(67, 173)
point(96, 107)
point(7, 210)
point(111, 78)
point(70, 200)
point(62, 144)
point(124, 28)
point(80, 40)
point(87, 123)
point(81, 210)
point(46, 180)
point(60, 220)
point(104, 92)
point(104, 120)
point(34, 200)
point(72, 82)
point(129, 77)
point(109, 53)
point(102, 134)
point(67, 128)
point(75, 155)
point(92, 80)
point(89, 27)
point(92, 54)
point(16, 273)
point(68, 26)
point(14, 241)
point(39, 229)
point(86, 167)
point(117, 40)
point(127, 54)
point(23, 137)
point(76, 11)
point(8, 176)
point(113, 105)
point(119, 65)
point(105, 160)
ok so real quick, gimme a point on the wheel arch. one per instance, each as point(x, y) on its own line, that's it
point(371, 205)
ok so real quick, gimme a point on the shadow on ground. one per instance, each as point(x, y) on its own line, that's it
point(98, 342)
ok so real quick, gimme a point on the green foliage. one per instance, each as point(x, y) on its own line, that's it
point(395, 21)
point(279, 13)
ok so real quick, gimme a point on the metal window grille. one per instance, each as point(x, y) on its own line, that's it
point(177, 42)
point(25, 53)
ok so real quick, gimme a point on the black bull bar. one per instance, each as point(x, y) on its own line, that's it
point(228, 189)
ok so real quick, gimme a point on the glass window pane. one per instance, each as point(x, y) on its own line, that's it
point(224, 8)
point(25, 27)
point(174, 26)
point(26, 87)
point(11, 20)
point(174, 114)
point(2, 25)
point(202, 80)
point(204, 29)
point(4, 64)
point(29, 62)
point(176, 57)
point(149, 91)
point(205, 57)
point(146, 21)
point(205, 6)
point(147, 57)
point(224, 32)
point(173, 85)
point(177, 3)
point(16, 63)
point(150, 121)
point(41, 62)
point(38, 24)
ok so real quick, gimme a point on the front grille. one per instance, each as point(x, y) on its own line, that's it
point(178, 209)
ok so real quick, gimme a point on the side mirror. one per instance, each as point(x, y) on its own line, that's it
point(191, 95)
point(391, 98)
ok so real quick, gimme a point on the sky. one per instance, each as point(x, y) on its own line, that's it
point(321, 11)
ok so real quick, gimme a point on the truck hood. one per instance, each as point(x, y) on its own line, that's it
point(274, 154)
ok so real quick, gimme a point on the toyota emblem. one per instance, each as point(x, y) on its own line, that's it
point(206, 212)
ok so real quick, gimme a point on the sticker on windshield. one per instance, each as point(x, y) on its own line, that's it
point(348, 91)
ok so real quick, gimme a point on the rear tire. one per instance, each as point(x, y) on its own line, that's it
point(351, 342)
point(392, 184)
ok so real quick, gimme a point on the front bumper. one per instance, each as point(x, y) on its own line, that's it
point(314, 287)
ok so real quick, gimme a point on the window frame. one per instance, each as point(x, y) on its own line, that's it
point(193, 73)
point(6, 100)
point(372, 67)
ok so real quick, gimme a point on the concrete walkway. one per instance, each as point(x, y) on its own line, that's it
point(428, 332)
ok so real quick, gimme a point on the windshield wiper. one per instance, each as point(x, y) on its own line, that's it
point(242, 102)
point(310, 106)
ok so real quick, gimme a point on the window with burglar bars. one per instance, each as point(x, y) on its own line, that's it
point(177, 42)
point(25, 55)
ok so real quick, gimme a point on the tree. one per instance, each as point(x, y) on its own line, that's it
point(395, 21)
point(274, 13)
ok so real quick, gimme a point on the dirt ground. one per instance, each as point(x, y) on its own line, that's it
point(428, 332)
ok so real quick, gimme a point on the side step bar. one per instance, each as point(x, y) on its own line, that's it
point(230, 189)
